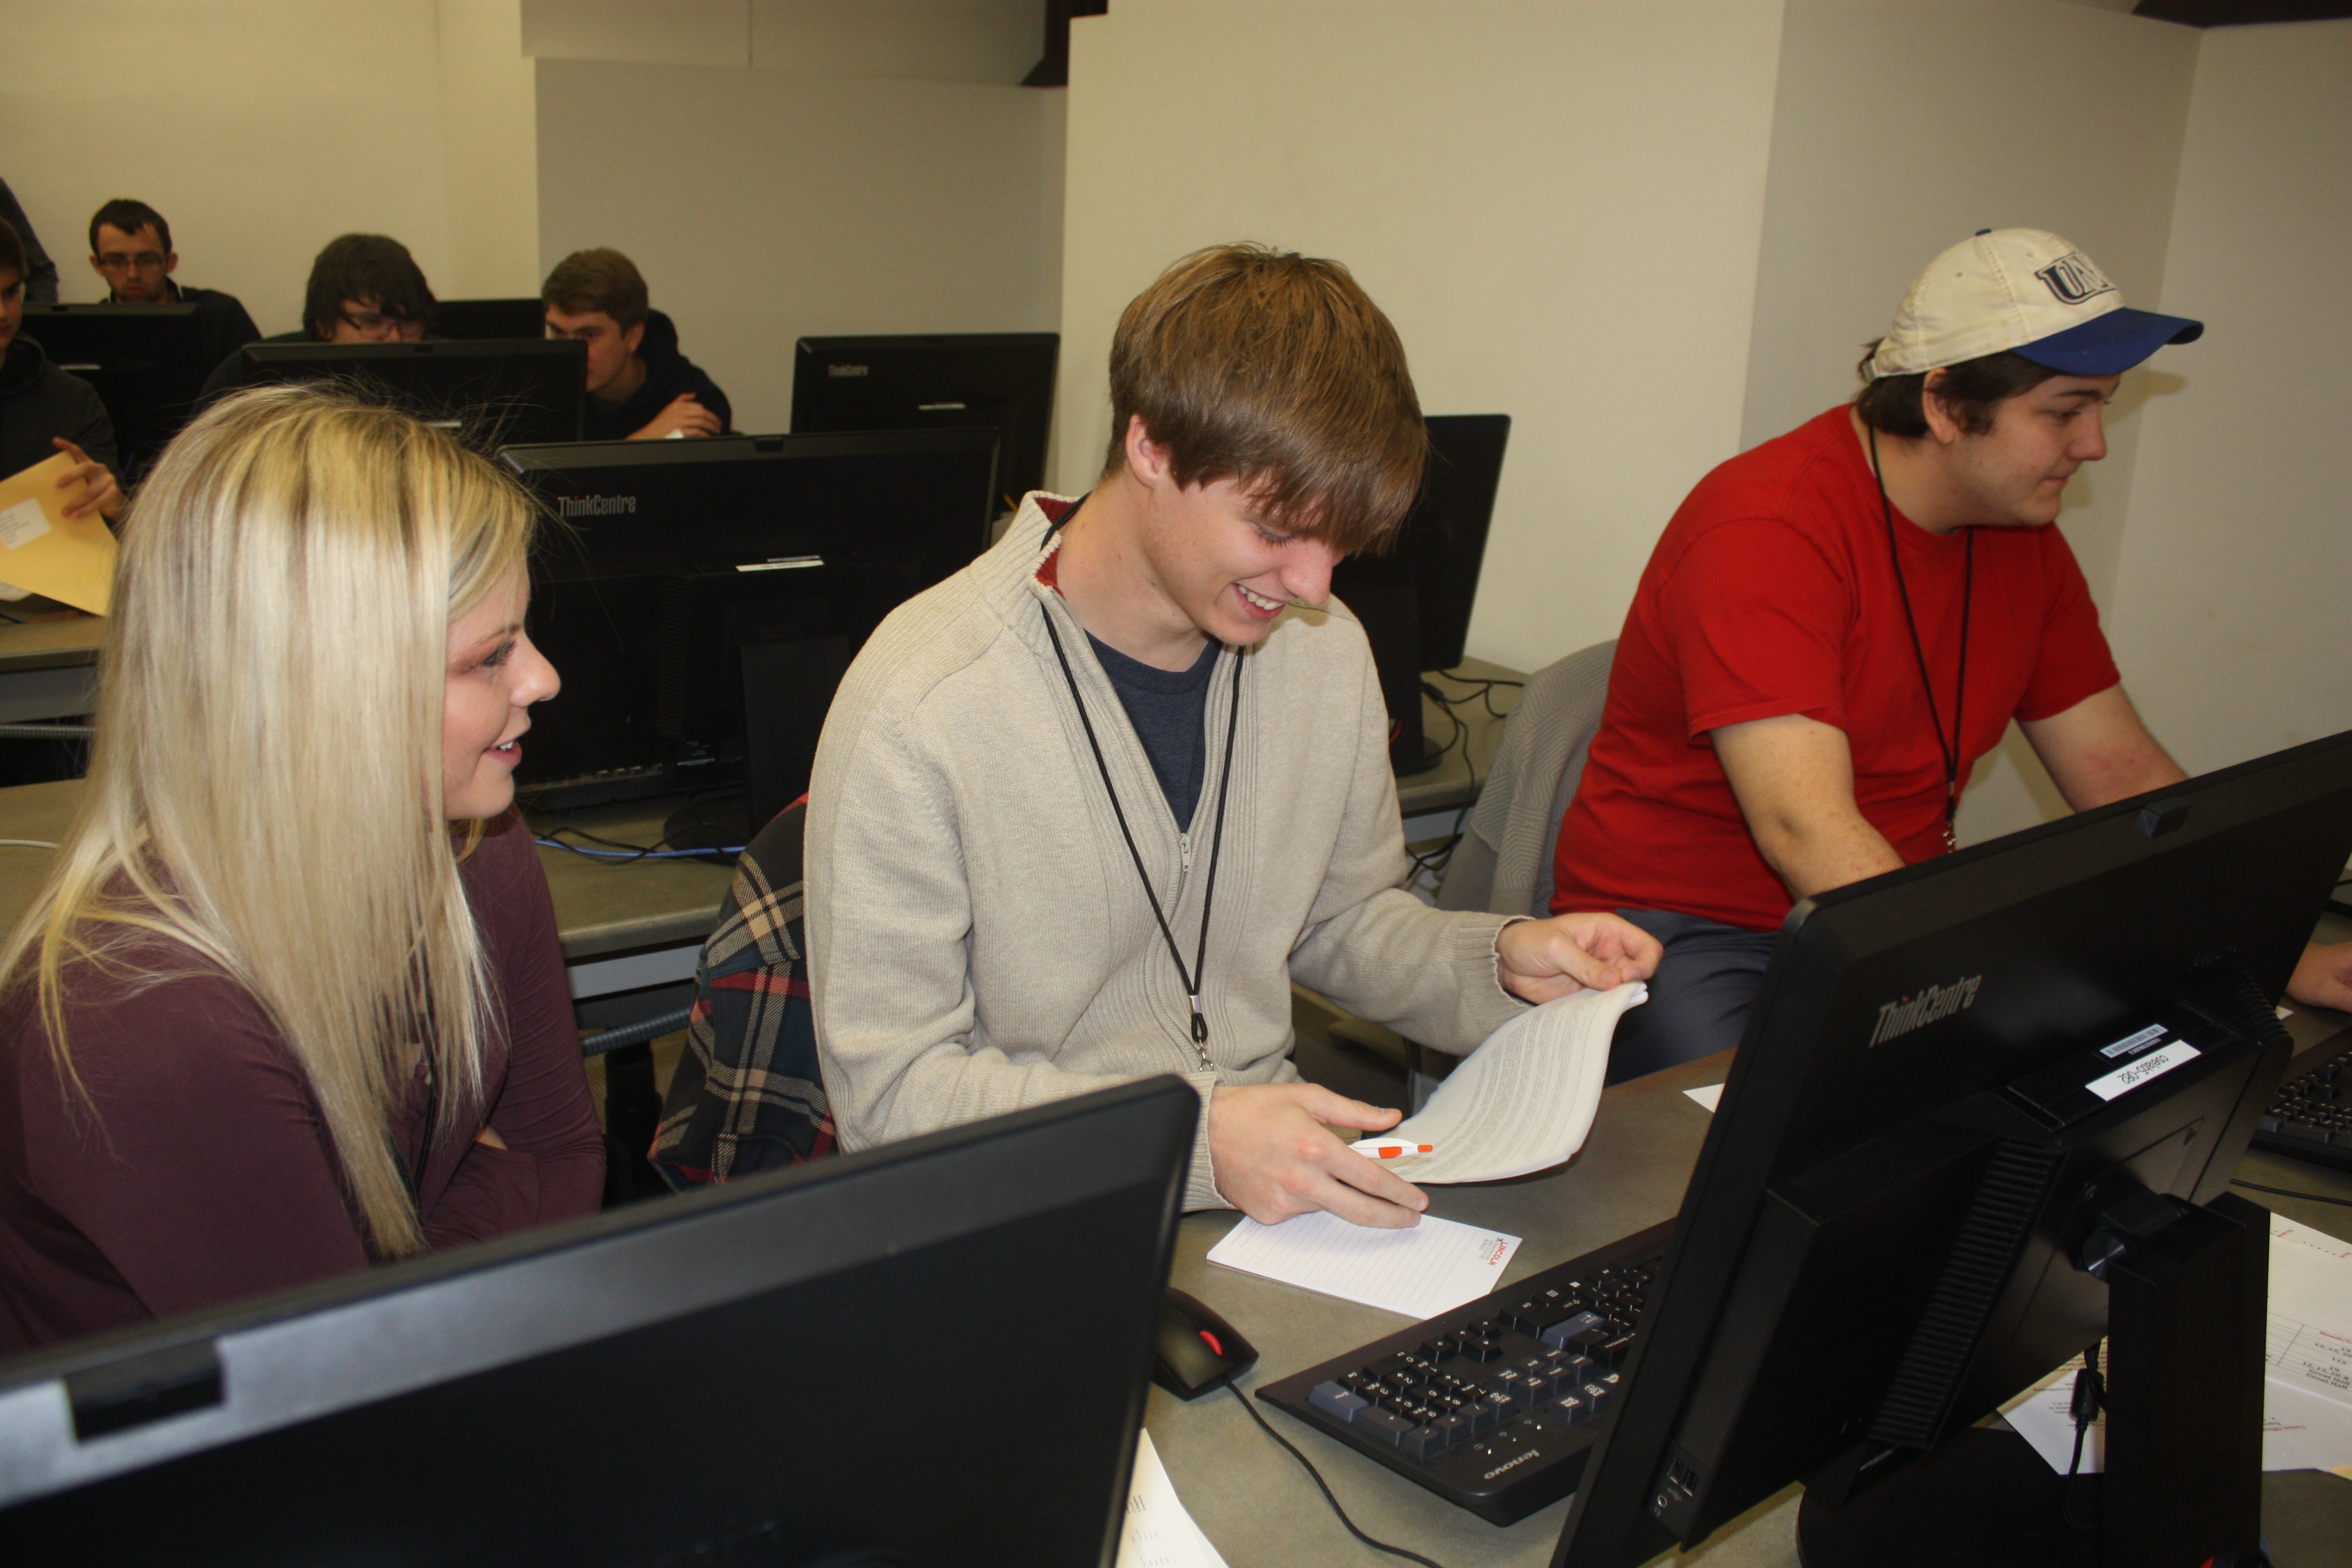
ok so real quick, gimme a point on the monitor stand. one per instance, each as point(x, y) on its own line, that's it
point(788, 684)
point(2188, 1291)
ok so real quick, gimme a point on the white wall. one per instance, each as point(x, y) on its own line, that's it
point(1557, 205)
point(2231, 606)
point(1898, 129)
point(763, 206)
point(261, 130)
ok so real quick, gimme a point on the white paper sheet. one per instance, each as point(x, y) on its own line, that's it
point(1524, 1100)
point(1707, 1095)
point(1421, 1271)
point(1157, 1533)
point(2307, 1388)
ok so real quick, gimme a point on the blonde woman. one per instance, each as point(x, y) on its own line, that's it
point(291, 1001)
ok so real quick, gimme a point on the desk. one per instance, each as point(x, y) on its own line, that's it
point(1258, 1507)
point(49, 669)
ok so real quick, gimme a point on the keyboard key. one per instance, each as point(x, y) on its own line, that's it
point(1338, 1402)
point(1423, 1443)
point(1511, 1384)
point(1385, 1424)
point(1598, 1395)
point(1458, 1427)
point(1561, 1333)
point(1481, 1351)
point(1574, 1408)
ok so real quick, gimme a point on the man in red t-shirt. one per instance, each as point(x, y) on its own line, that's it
point(1814, 660)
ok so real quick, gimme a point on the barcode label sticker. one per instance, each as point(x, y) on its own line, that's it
point(2131, 1043)
point(2156, 1064)
point(23, 523)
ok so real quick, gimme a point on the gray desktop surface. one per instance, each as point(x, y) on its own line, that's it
point(48, 666)
point(1258, 1507)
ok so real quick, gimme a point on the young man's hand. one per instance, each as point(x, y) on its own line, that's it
point(1541, 959)
point(103, 496)
point(2323, 976)
point(1274, 1154)
point(683, 416)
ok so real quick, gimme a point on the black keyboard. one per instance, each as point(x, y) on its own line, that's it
point(2311, 1117)
point(1492, 1406)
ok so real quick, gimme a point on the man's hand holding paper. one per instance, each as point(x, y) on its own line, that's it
point(88, 486)
point(1541, 960)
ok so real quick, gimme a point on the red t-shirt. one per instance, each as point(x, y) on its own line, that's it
point(1770, 592)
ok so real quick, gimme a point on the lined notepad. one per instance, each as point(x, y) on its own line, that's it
point(1431, 1267)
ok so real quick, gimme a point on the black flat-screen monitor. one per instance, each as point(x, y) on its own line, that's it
point(147, 362)
point(495, 394)
point(1970, 1092)
point(689, 568)
point(1414, 601)
point(998, 381)
point(933, 1354)
point(471, 320)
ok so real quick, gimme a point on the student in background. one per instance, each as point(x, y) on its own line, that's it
point(639, 386)
point(39, 273)
point(44, 410)
point(1839, 624)
point(289, 1002)
point(130, 248)
point(1082, 812)
point(363, 289)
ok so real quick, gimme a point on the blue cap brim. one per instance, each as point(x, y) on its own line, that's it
point(2110, 345)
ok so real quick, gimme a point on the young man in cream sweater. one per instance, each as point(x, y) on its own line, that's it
point(1083, 811)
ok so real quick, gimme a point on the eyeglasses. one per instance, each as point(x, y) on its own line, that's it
point(115, 261)
point(375, 324)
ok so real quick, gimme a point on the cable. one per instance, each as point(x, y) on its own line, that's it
point(2290, 1193)
point(28, 843)
point(2090, 1397)
point(1316, 1477)
point(639, 854)
point(605, 1040)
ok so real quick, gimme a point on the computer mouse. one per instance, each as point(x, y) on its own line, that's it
point(1196, 1351)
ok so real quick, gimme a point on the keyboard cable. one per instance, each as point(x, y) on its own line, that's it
point(1314, 1475)
point(2290, 1193)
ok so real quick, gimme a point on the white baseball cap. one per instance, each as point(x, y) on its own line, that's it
point(2029, 291)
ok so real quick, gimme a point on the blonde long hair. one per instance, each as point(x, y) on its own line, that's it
point(266, 786)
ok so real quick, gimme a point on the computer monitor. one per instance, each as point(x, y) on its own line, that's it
point(147, 362)
point(700, 582)
point(1414, 602)
point(1985, 1111)
point(998, 381)
point(495, 394)
point(474, 321)
point(933, 1354)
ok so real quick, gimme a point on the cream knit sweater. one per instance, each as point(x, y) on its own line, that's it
point(977, 939)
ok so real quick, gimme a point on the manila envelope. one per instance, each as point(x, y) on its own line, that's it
point(69, 559)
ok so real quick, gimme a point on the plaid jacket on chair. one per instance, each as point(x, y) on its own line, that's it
point(748, 1095)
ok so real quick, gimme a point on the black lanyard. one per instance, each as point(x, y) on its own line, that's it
point(1192, 977)
point(1959, 686)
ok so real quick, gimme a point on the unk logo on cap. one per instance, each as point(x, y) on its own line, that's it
point(2073, 279)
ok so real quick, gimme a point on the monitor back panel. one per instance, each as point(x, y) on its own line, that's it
point(493, 393)
point(932, 1355)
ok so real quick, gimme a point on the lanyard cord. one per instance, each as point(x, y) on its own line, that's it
point(1951, 753)
point(1191, 978)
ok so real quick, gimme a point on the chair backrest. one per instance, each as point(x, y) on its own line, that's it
point(1504, 862)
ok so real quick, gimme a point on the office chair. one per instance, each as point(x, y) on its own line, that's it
point(1503, 861)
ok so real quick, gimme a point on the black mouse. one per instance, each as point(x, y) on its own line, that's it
point(1196, 1349)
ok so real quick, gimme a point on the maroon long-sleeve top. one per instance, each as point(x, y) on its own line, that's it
point(206, 1174)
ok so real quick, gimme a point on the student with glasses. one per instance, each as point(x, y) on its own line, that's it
point(130, 248)
point(363, 289)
